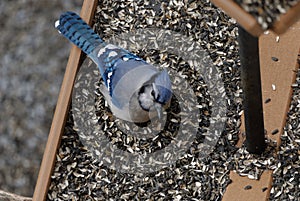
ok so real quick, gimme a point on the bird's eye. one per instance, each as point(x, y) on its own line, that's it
point(142, 90)
point(153, 93)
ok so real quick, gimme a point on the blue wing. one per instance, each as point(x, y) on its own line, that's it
point(116, 62)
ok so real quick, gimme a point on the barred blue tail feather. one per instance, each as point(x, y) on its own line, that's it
point(78, 32)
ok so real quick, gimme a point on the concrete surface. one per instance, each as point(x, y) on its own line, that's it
point(33, 57)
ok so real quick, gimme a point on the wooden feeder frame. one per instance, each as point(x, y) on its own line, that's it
point(249, 23)
point(61, 111)
point(274, 113)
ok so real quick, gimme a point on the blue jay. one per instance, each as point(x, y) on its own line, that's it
point(135, 90)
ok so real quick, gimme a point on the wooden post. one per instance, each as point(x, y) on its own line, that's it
point(61, 111)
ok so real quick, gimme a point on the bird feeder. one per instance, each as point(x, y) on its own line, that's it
point(280, 74)
point(261, 81)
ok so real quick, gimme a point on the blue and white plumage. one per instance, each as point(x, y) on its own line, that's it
point(135, 90)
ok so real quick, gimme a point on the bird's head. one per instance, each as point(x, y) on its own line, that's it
point(157, 93)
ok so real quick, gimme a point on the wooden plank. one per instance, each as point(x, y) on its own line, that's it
point(240, 15)
point(61, 111)
point(238, 188)
point(250, 24)
point(282, 74)
point(5, 196)
point(287, 20)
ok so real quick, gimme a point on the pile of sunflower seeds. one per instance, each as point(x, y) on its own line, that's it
point(86, 167)
point(251, 165)
point(266, 12)
point(286, 175)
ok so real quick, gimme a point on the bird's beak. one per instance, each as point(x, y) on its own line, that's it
point(158, 108)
